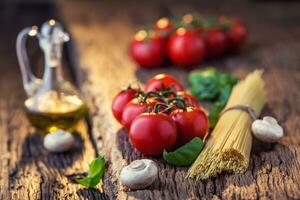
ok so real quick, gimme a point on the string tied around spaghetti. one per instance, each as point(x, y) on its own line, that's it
point(244, 108)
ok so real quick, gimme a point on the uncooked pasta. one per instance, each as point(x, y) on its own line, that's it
point(229, 145)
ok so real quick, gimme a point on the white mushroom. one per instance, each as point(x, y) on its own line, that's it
point(139, 174)
point(267, 129)
point(58, 141)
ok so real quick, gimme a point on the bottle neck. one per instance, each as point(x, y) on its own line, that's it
point(53, 75)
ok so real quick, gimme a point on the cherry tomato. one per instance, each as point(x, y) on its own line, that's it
point(189, 99)
point(148, 50)
point(151, 133)
point(133, 109)
point(236, 35)
point(120, 101)
point(216, 42)
point(186, 48)
point(192, 122)
point(164, 26)
point(159, 81)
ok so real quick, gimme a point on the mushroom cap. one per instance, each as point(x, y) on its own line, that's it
point(139, 174)
point(58, 141)
point(267, 129)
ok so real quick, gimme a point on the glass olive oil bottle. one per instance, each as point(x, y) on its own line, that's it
point(50, 112)
point(52, 103)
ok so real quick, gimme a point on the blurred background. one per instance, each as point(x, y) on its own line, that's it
point(273, 25)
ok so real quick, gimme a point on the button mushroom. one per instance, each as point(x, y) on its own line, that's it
point(139, 174)
point(267, 129)
point(58, 141)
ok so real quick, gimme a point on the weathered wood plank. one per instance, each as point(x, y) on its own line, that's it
point(27, 170)
point(102, 35)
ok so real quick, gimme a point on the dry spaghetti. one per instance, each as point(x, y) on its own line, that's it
point(229, 145)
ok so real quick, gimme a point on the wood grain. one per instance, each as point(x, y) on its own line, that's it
point(102, 35)
point(101, 66)
point(27, 170)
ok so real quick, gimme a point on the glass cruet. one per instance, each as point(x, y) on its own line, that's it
point(52, 103)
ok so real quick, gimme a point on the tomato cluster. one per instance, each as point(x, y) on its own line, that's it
point(187, 42)
point(161, 117)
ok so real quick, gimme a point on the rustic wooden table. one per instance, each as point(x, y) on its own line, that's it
point(101, 31)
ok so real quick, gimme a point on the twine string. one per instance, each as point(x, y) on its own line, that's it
point(244, 108)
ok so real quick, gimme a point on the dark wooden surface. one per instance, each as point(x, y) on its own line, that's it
point(27, 170)
point(101, 31)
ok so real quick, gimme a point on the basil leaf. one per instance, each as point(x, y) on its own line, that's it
point(215, 112)
point(96, 166)
point(95, 174)
point(87, 182)
point(186, 154)
point(211, 85)
point(204, 83)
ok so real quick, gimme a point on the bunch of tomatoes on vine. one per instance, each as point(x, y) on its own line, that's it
point(161, 117)
point(186, 42)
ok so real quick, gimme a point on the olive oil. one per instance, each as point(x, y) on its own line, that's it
point(51, 111)
point(53, 103)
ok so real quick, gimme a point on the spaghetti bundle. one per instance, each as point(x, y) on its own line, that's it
point(229, 145)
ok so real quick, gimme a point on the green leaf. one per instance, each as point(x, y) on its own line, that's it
point(204, 83)
point(215, 112)
point(85, 182)
point(211, 85)
point(95, 174)
point(96, 166)
point(186, 154)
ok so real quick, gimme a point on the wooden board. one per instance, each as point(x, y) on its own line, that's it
point(27, 170)
point(102, 30)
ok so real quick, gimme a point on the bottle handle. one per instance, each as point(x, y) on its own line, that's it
point(30, 81)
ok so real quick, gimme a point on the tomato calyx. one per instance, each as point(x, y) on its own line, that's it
point(167, 100)
point(147, 95)
point(158, 106)
point(145, 35)
point(162, 94)
point(190, 21)
point(225, 22)
point(179, 102)
point(199, 22)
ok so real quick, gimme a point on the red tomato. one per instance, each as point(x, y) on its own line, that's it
point(120, 101)
point(164, 26)
point(151, 133)
point(236, 35)
point(192, 122)
point(162, 80)
point(189, 99)
point(216, 42)
point(133, 109)
point(186, 48)
point(148, 50)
